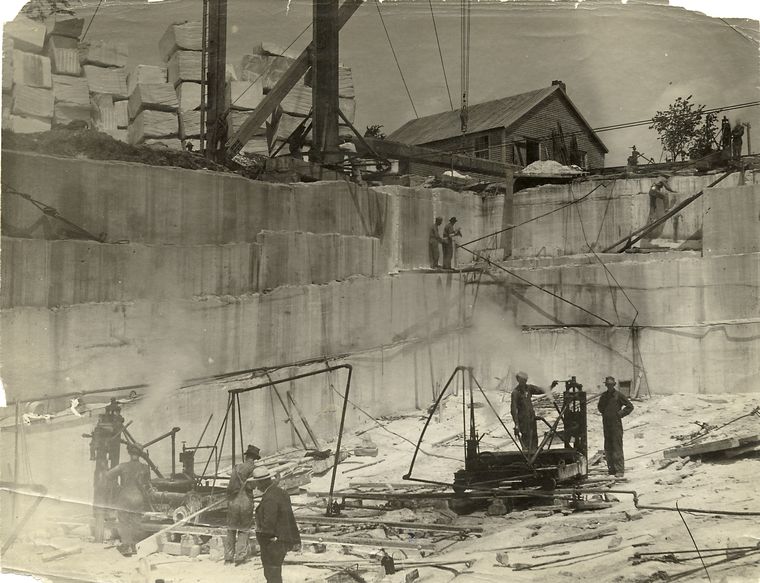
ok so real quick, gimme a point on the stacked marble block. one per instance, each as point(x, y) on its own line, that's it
point(54, 79)
point(264, 66)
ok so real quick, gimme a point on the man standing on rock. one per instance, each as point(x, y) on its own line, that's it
point(434, 240)
point(449, 232)
point(276, 528)
point(614, 405)
point(523, 414)
point(240, 508)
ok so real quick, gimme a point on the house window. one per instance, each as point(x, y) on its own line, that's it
point(526, 151)
point(482, 147)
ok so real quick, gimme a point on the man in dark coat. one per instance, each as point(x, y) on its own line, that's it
point(131, 500)
point(449, 232)
point(434, 240)
point(613, 406)
point(240, 508)
point(523, 414)
point(276, 528)
point(736, 139)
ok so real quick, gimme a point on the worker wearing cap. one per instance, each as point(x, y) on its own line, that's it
point(614, 405)
point(240, 508)
point(132, 498)
point(656, 193)
point(449, 232)
point(276, 528)
point(523, 414)
point(434, 240)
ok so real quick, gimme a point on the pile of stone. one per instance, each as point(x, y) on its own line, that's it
point(54, 79)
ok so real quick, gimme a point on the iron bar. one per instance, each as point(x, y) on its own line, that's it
point(340, 438)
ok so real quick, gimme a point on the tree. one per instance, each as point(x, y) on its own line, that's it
point(42, 9)
point(374, 131)
point(705, 140)
point(679, 127)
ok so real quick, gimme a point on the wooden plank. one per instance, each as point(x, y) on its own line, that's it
point(27, 34)
point(421, 526)
point(71, 90)
point(184, 66)
point(31, 70)
point(283, 86)
point(104, 54)
point(184, 36)
point(702, 448)
point(153, 96)
point(397, 150)
point(145, 74)
point(743, 450)
point(32, 101)
point(102, 80)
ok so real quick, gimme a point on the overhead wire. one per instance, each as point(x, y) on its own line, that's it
point(440, 54)
point(395, 58)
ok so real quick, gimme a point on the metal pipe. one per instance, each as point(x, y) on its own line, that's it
point(78, 394)
point(288, 379)
point(650, 554)
point(160, 437)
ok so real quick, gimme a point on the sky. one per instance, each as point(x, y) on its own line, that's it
point(620, 63)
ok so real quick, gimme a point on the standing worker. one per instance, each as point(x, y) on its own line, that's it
point(435, 239)
point(656, 211)
point(276, 528)
point(725, 135)
point(523, 414)
point(614, 405)
point(240, 508)
point(132, 497)
point(736, 140)
point(449, 232)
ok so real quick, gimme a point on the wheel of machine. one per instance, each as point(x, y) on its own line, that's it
point(180, 513)
point(548, 483)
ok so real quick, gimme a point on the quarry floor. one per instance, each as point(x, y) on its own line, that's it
point(729, 484)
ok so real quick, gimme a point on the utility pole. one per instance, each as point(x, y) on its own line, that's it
point(216, 126)
point(324, 65)
point(749, 138)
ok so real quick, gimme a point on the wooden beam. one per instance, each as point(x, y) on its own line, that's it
point(399, 151)
point(284, 85)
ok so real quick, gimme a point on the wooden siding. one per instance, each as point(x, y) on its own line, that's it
point(537, 124)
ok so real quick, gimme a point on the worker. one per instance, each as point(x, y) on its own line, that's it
point(434, 240)
point(276, 528)
point(523, 414)
point(614, 405)
point(725, 135)
point(240, 508)
point(655, 211)
point(736, 140)
point(633, 159)
point(449, 232)
point(132, 497)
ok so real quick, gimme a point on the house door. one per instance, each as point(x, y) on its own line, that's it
point(532, 151)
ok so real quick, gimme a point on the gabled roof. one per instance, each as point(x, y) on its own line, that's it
point(498, 113)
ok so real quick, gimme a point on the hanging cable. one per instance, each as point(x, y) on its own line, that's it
point(395, 58)
point(86, 30)
point(440, 54)
point(464, 68)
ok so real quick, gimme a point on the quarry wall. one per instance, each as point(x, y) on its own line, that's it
point(613, 209)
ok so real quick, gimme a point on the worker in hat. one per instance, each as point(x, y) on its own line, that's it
point(434, 240)
point(736, 139)
point(523, 413)
point(449, 232)
point(276, 528)
point(240, 508)
point(656, 211)
point(132, 498)
point(614, 405)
